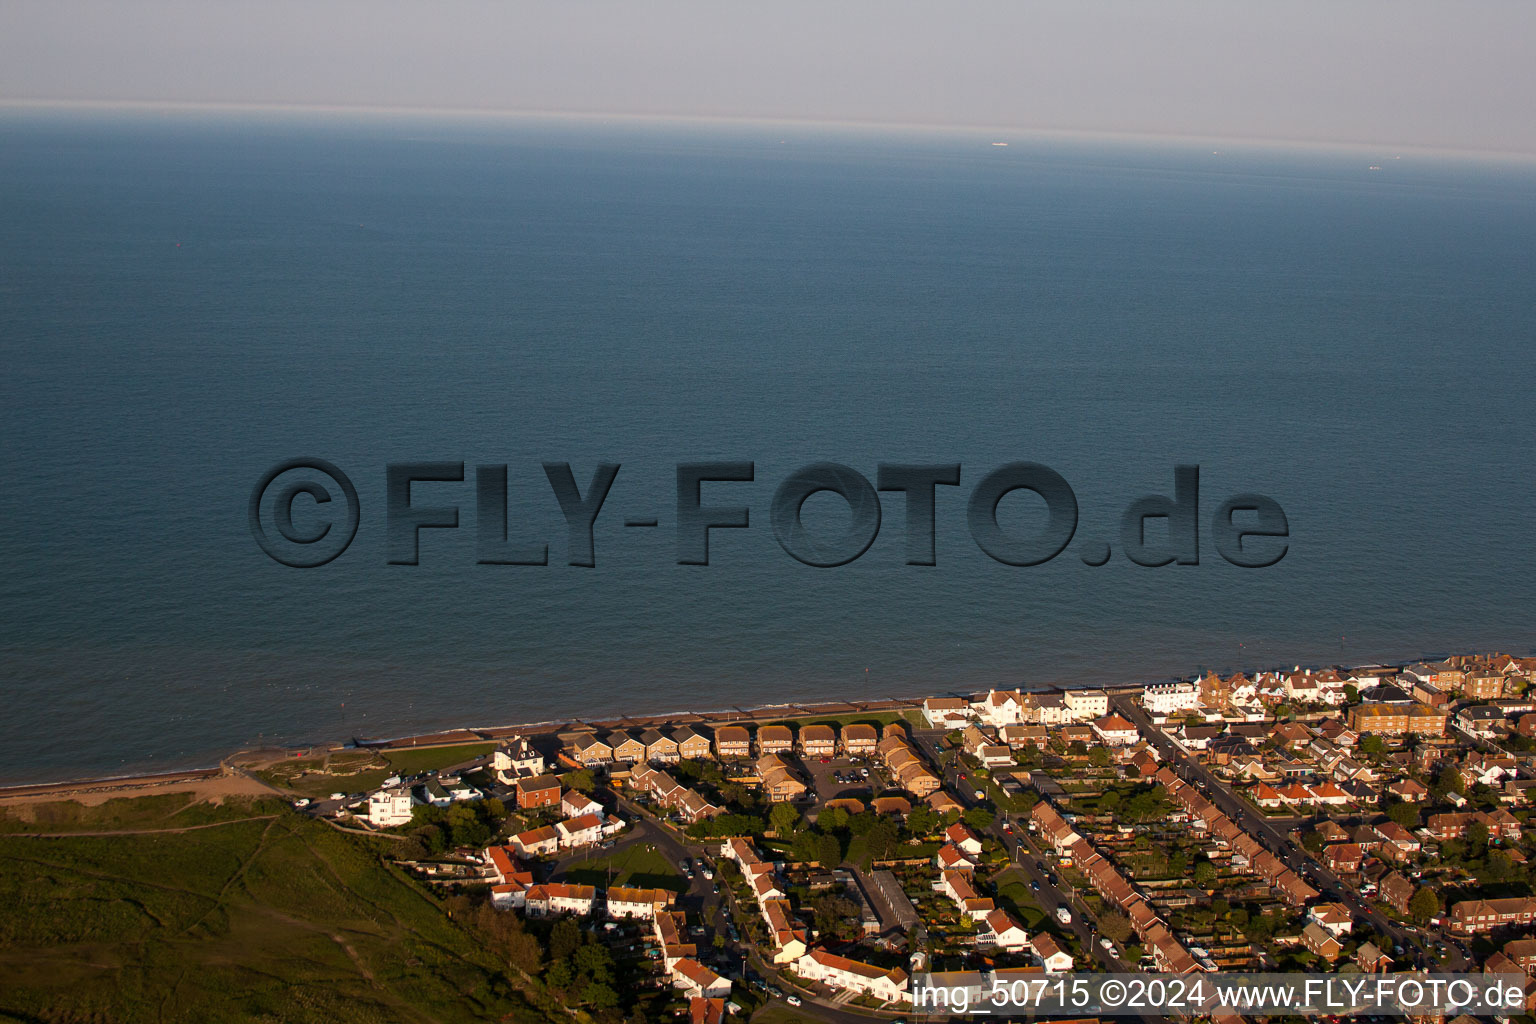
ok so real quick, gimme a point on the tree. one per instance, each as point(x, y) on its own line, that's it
point(1312, 842)
point(564, 938)
point(1115, 926)
point(979, 818)
point(1099, 757)
point(1178, 863)
point(1078, 747)
point(923, 820)
point(581, 779)
point(1405, 814)
point(1424, 904)
point(1109, 802)
point(829, 852)
point(1372, 745)
point(805, 846)
point(783, 818)
point(1205, 874)
point(1351, 693)
point(882, 840)
point(1477, 837)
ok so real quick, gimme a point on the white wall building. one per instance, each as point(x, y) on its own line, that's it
point(1170, 698)
point(390, 807)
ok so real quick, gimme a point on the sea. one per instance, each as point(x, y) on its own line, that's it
point(189, 300)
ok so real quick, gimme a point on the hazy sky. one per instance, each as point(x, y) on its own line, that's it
point(1442, 74)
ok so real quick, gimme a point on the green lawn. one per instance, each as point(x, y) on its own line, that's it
point(168, 810)
point(1014, 894)
point(356, 771)
point(637, 865)
point(281, 919)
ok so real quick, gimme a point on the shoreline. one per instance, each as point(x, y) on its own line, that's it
point(468, 735)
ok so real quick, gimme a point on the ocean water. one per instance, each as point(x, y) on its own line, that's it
point(188, 300)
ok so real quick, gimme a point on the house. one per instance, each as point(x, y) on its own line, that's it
point(898, 806)
point(575, 803)
point(733, 741)
point(838, 972)
point(1523, 953)
point(559, 898)
point(946, 712)
point(589, 751)
point(538, 791)
point(1115, 731)
point(1472, 916)
point(1409, 791)
point(1372, 960)
point(586, 830)
point(697, 981)
point(860, 739)
point(516, 757)
point(1000, 708)
point(1396, 891)
point(1266, 796)
point(818, 741)
point(1482, 721)
point(388, 808)
point(1397, 842)
point(706, 1011)
point(775, 739)
point(1394, 720)
point(1017, 736)
point(962, 836)
point(1163, 699)
point(778, 781)
point(951, 858)
point(1052, 957)
point(624, 902)
point(1334, 918)
point(1343, 858)
point(1318, 940)
point(1085, 705)
point(692, 742)
point(1003, 932)
point(536, 841)
point(1045, 709)
point(627, 747)
point(659, 747)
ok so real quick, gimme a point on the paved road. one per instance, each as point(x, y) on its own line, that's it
point(1278, 843)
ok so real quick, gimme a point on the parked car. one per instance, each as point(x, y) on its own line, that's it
point(793, 1000)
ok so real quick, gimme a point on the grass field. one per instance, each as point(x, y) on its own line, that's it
point(637, 865)
point(353, 771)
point(164, 811)
point(1013, 892)
point(268, 919)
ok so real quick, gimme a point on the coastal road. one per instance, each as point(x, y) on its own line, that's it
point(1264, 830)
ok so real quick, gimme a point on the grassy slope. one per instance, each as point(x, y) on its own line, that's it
point(280, 919)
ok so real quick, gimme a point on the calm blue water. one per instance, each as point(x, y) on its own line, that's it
point(186, 301)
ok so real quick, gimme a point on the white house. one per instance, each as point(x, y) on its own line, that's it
point(575, 803)
point(625, 902)
point(536, 842)
point(961, 835)
point(999, 708)
point(559, 898)
point(1115, 731)
point(1085, 705)
point(696, 980)
point(583, 831)
point(1052, 957)
point(946, 712)
point(1003, 932)
point(390, 807)
point(842, 973)
point(516, 757)
point(1171, 698)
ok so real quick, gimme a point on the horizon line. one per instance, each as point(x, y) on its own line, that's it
point(892, 127)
